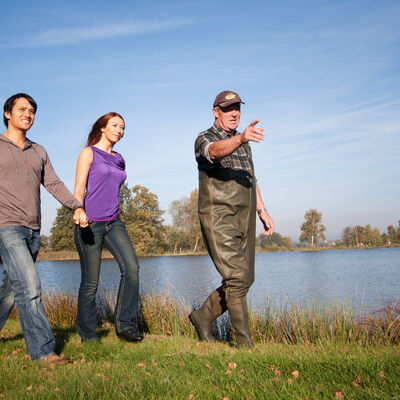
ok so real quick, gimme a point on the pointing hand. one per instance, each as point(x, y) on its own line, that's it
point(253, 134)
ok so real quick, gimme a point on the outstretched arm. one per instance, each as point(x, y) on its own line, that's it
point(263, 215)
point(222, 148)
point(56, 187)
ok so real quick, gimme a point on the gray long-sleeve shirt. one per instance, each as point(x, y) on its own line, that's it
point(21, 173)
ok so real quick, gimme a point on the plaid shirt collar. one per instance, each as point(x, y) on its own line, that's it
point(221, 133)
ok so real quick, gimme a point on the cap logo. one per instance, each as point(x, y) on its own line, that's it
point(230, 96)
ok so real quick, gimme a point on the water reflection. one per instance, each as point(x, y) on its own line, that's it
point(367, 276)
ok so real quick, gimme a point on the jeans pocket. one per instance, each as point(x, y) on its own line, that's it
point(87, 235)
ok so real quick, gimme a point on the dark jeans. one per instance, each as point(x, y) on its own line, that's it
point(89, 241)
point(19, 247)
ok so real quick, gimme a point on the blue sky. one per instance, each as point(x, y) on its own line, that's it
point(323, 77)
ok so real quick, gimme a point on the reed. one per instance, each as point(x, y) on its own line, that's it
point(283, 322)
point(312, 323)
point(164, 314)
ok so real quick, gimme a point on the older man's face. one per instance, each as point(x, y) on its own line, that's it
point(228, 117)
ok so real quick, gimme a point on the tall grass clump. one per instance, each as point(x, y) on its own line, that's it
point(61, 308)
point(311, 323)
point(386, 321)
point(164, 314)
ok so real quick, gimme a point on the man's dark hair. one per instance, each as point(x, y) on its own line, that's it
point(9, 104)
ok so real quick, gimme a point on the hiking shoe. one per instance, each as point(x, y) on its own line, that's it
point(130, 335)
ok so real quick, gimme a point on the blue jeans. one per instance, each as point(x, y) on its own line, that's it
point(19, 247)
point(89, 241)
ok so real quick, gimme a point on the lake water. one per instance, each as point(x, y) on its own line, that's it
point(361, 276)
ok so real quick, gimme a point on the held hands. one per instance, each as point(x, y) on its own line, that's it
point(80, 218)
point(251, 133)
point(267, 222)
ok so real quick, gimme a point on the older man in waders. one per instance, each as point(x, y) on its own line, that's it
point(228, 201)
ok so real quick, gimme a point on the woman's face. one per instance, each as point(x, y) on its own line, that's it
point(114, 130)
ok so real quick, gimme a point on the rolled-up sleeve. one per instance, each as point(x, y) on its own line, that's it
point(202, 145)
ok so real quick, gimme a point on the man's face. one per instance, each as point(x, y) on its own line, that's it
point(228, 117)
point(22, 115)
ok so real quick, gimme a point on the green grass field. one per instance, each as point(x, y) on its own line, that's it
point(178, 367)
point(300, 354)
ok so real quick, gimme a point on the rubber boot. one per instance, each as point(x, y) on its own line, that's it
point(239, 315)
point(213, 307)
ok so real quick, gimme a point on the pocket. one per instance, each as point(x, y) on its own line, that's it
point(87, 235)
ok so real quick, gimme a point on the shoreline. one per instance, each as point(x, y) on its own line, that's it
point(66, 255)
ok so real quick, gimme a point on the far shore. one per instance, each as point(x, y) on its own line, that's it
point(66, 255)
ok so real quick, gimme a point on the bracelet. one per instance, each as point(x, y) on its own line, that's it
point(260, 211)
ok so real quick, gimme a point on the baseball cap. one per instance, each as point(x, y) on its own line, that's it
point(226, 98)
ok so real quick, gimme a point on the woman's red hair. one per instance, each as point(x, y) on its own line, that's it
point(95, 133)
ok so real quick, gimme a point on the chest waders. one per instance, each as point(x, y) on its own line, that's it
point(227, 213)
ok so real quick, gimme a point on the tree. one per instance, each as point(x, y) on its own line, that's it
point(175, 239)
point(355, 235)
point(44, 242)
point(142, 216)
point(287, 242)
point(392, 234)
point(125, 196)
point(377, 238)
point(368, 235)
point(398, 231)
point(347, 236)
point(62, 231)
point(363, 235)
point(275, 240)
point(185, 218)
point(358, 235)
point(312, 229)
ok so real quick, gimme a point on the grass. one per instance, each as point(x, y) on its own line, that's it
point(302, 352)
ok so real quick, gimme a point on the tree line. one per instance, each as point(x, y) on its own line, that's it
point(358, 236)
point(143, 217)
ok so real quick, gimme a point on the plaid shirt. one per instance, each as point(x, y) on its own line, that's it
point(240, 159)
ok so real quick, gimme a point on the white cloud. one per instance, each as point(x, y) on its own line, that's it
point(68, 36)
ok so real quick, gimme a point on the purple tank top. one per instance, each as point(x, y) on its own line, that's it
point(106, 175)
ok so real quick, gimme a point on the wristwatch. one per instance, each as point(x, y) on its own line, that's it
point(261, 210)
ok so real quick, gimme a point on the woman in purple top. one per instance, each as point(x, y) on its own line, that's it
point(100, 172)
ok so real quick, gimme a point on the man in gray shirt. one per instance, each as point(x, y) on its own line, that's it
point(24, 166)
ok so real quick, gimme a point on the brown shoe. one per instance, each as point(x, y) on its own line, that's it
point(55, 359)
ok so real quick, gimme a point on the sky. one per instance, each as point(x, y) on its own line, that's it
point(322, 77)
